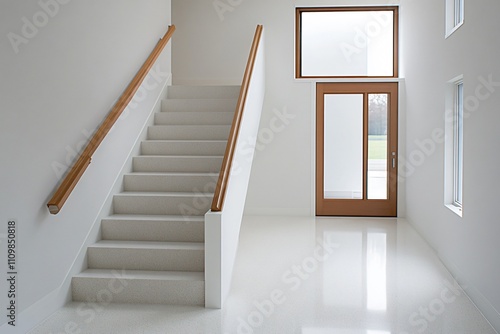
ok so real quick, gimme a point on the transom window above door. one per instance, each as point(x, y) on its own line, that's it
point(352, 42)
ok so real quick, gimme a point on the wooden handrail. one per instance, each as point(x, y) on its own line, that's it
point(225, 171)
point(71, 180)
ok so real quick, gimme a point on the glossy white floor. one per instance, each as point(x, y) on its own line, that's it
point(309, 276)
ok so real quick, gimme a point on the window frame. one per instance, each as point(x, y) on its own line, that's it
point(455, 16)
point(458, 122)
point(298, 38)
point(455, 114)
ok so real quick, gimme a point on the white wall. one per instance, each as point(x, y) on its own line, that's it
point(469, 245)
point(213, 49)
point(55, 89)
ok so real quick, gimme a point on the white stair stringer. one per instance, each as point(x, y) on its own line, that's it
point(152, 247)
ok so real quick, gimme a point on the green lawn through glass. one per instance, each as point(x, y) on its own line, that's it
point(377, 145)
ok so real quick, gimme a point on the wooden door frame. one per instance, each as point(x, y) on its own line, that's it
point(369, 208)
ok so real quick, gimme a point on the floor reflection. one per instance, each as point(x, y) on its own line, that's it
point(376, 271)
point(355, 277)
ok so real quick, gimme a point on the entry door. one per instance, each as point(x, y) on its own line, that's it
point(356, 149)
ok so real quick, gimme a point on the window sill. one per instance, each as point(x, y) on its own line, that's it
point(452, 30)
point(455, 209)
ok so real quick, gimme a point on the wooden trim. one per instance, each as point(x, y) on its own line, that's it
point(71, 180)
point(346, 8)
point(365, 144)
point(298, 41)
point(395, 57)
point(320, 145)
point(225, 171)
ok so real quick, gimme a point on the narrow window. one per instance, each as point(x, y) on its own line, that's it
point(458, 141)
point(454, 145)
point(357, 42)
point(454, 16)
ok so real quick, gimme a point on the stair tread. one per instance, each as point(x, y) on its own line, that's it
point(187, 127)
point(170, 141)
point(155, 217)
point(205, 86)
point(143, 275)
point(202, 99)
point(149, 245)
point(192, 125)
point(170, 174)
point(180, 156)
point(163, 194)
point(198, 112)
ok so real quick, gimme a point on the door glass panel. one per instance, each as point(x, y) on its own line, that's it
point(377, 146)
point(343, 146)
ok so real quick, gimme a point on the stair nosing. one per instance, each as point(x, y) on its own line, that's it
point(192, 125)
point(179, 156)
point(202, 98)
point(184, 140)
point(163, 194)
point(194, 111)
point(170, 174)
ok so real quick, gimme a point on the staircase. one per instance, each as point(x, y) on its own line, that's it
point(152, 247)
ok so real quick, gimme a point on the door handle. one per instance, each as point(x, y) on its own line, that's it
point(393, 160)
